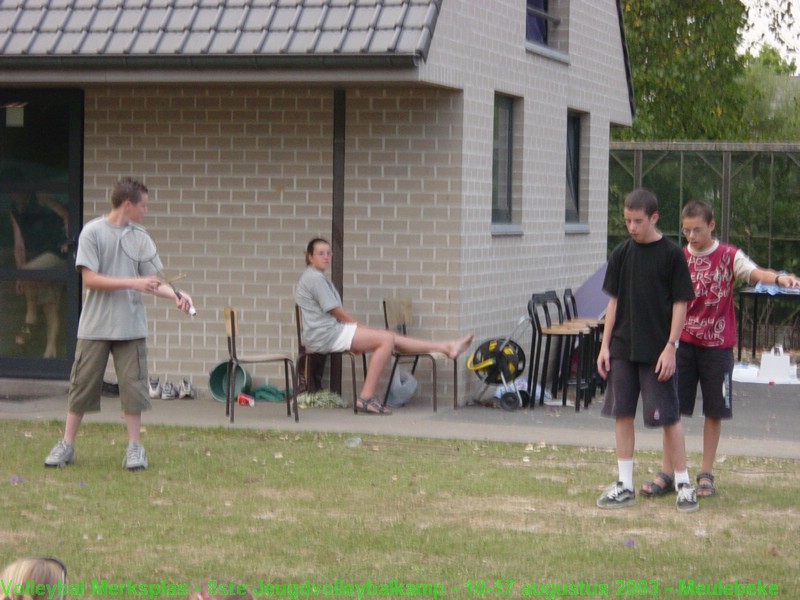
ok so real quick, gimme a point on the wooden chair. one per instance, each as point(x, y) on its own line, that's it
point(397, 316)
point(303, 352)
point(235, 359)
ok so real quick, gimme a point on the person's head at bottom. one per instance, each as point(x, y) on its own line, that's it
point(34, 578)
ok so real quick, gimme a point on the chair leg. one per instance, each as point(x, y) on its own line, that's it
point(455, 384)
point(435, 381)
point(228, 389)
point(229, 399)
point(353, 374)
point(287, 364)
point(533, 369)
point(391, 378)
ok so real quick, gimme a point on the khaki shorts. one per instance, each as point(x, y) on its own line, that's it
point(86, 379)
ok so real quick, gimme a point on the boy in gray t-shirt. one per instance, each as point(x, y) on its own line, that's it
point(113, 321)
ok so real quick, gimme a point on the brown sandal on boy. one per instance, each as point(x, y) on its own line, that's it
point(655, 489)
point(705, 485)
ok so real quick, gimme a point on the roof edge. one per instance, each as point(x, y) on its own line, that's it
point(238, 62)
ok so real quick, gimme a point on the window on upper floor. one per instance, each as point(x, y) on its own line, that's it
point(546, 27)
point(506, 159)
point(536, 23)
point(572, 212)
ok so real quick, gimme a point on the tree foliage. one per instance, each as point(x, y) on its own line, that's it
point(772, 110)
point(685, 68)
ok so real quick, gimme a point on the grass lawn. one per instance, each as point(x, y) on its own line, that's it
point(465, 519)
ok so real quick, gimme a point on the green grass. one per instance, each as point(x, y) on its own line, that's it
point(260, 505)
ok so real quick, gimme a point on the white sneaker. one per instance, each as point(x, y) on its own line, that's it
point(616, 496)
point(168, 391)
point(154, 387)
point(135, 457)
point(186, 389)
point(687, 498)
point(61, 454)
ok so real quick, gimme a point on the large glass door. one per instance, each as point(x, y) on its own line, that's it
point(41, 160)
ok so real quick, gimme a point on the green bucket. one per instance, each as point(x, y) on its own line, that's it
point(218, 381)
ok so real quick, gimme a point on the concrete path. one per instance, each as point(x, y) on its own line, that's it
point(766, 419)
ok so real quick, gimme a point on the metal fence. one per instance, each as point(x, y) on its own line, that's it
point(755, 192)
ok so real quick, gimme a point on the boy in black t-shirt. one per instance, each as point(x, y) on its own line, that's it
point(649, 286)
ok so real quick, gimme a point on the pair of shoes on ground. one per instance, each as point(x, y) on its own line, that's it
point(617, 496)
point(168, 391)
point(372, 407)
point(63, 454)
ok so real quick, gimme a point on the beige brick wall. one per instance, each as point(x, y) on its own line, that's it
point(241, 179)
point(500, 272)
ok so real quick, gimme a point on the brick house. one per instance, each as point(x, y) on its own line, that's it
point(456, 151)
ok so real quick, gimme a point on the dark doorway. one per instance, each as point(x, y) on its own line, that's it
point(41, 169)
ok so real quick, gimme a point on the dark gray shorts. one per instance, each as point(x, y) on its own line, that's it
point(626, 380)
point(86, 379)
point(712, 368)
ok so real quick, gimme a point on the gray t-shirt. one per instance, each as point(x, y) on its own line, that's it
point(119, 314)
point(316, 295)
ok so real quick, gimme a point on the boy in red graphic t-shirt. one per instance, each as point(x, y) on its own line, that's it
point(705, 355)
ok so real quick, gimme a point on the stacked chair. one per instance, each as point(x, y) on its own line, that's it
point(555, 336)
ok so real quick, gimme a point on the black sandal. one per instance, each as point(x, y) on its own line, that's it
point(657, 489)
point(372, 407)
point(705, 485)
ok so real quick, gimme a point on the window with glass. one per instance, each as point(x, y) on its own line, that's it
point(572, 201)
point(536, 22)
point(503, 159)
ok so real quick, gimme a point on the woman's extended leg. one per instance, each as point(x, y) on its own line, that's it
point(380, 343)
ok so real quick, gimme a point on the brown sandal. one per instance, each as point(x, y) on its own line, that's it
point(705, 485)
point(654, 489)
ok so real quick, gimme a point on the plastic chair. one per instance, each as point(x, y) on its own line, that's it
point(303, 352)
point(545, 331)
point(235, 359)
point(397, 315)
point(595, 326)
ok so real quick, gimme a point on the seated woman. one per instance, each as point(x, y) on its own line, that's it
point(328, 328)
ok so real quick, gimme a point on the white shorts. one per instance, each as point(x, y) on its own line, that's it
point(345, 339)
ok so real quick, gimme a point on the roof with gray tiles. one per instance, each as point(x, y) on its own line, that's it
point(328, 32)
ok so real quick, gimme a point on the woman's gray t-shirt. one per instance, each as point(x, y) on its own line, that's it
point(316, 296)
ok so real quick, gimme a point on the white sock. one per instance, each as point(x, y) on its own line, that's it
point(682, 477)
point(625, 467)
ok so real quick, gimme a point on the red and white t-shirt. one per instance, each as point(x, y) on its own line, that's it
point(710, 316)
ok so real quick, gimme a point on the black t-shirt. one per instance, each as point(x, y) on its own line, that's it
point(42, 229)
point(646, 280)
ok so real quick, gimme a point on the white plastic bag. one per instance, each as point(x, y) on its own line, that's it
point(402, 389)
